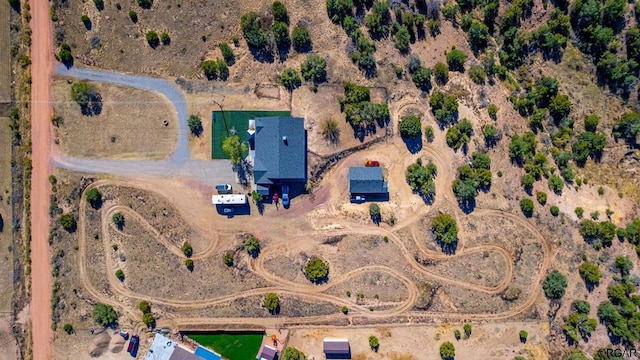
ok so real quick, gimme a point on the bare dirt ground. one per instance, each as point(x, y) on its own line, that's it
point(491, 340)
point(41, 111)
point(131, 124)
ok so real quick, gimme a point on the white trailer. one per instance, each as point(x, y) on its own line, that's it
point(230, 199)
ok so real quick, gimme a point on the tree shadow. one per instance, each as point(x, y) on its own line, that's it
point(244, 171)
point(449, 249)
point(263, 55)
point(1, 223)
point(467, 206)
point(283, 51)
point(93, 106)
point(414, 145)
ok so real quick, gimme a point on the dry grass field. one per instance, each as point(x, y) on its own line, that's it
point(130, 125)
point(5, 60)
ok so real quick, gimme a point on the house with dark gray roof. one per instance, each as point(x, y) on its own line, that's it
point(280, 152)
point(367, 180)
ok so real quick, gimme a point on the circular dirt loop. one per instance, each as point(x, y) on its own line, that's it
point(278, 235)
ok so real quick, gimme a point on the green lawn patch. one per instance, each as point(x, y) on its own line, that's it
point(230, 120)
point(241, 346)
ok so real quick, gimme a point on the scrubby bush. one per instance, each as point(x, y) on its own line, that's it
point(374, 213)
point(252, 246)
point(374, 343)
point(541, 196)
point(93, 197)
point(152, 39)
point(187, 249)
point(148, 319)
point(86, 21)
point(120, 274)
point(188, 263)
point(301, 40)
point(477, 74)
point(144, 306)
point(459, 135)
point(133, 16)
point(65, 56)
point(523, 336)
point(526, 205)
point(291, 353)
point(556, 183)
point(87, 97)
point(272, 303)
point(252, 30)
point(195, 125)
point(279, 12)
point(555, 211)
point(445, 229)
point(227, 258)
point(447, 351)
point(280, 33)
point(444, 108)
point(441, 73)
point(492, 110)
point(68, 222)
point(210, 69)
point(68, 328)
point(422, 78)
point(290, 79)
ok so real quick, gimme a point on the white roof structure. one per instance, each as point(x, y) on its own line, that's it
point(232, 199)
point(161, 348)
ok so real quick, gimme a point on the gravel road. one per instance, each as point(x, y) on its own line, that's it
point(180, 164)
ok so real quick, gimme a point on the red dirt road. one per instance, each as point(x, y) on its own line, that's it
point(41, 69)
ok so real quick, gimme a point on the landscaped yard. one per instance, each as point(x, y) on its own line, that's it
point(239, 346)
point(225, 122)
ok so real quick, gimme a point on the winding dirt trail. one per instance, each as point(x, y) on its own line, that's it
point(41, 70)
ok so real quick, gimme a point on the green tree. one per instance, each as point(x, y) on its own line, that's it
point(316, 270)
point(195, 125)
point(144, 307)
point(374, 343)
point(374, 213)
point(378, 20)
point(492, 110)
point(575, 354)
point(428, 133)
point(523, 336)
point(410, 126)
point(301, 39)
point(118, 220)
point(541, 196)
point(467, 330)
point(87, 96)
point(590, 273)
point(345, 310)
point(252, 246)
point(402, 40)
point(491, 134)
point(456, 59)
point(68, 328)
point(104, 315)
point(444, 107)
point(477, 74)
point(227, 53)
point(280, 32)
point(188, 263)
point(628, 127)
point(291, 353)
point(68, 222)
point(447, 351)
point(93, 197)
point(279, 12)
point(133, 16)
point(252, 31)
point(556, 183)
point(86, 21)
point(272, 303)
point(65, 56)
point(165, 39)
point(314, 68)
point(445, 229)
point(234, 149)
point(187, 249)
point(152, 39)
point(554, 285)
point(478, 35)
point(526, 205)
point(441, 73)
point(591, 122)
point(555, 211)
point(120, 274)
point(422, 78)
point(223, 69)
point(148, 319)
point(227, 258)
point(420, 178)
point(459, 135)
point(290, 79)
point(210, 69)
point(624, 265)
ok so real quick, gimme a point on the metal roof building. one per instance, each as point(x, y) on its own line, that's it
point(164, 348)
point(267, 353)
point(280, 152)
point(367, 180)
point(336, 348)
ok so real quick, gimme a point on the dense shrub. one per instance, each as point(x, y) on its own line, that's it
point(554, 285)
point(444, 108)
point(65, 56)
point(252, 246)
point(526, 205)
point(459, 134)
point(93, 197)
point(316, 270)
point(456, 59)
point(301, 40)
point(152, 39)
point(314, 68)
point(290, 79)
point(445, 229)
point(104, 315)
point(187, 249)
point(252, 30)
point(410, 126)
point(420, 178)
point(477, 74)
point(441, 73)
point(68, 222)
point(195, 125)
point(272, 303)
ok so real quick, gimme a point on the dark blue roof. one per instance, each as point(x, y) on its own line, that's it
point(281, 150)
point(367, 180)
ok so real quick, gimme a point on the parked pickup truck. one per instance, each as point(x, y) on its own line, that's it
point(224, 188)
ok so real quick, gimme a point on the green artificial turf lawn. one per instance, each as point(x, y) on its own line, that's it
point(231, 346)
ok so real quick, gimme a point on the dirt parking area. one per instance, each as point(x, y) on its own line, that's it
point(487, 341)
point(131, 124)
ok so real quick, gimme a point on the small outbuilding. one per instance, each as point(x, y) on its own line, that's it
point(267, 353)
point(367, 181)
point(336, 348)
